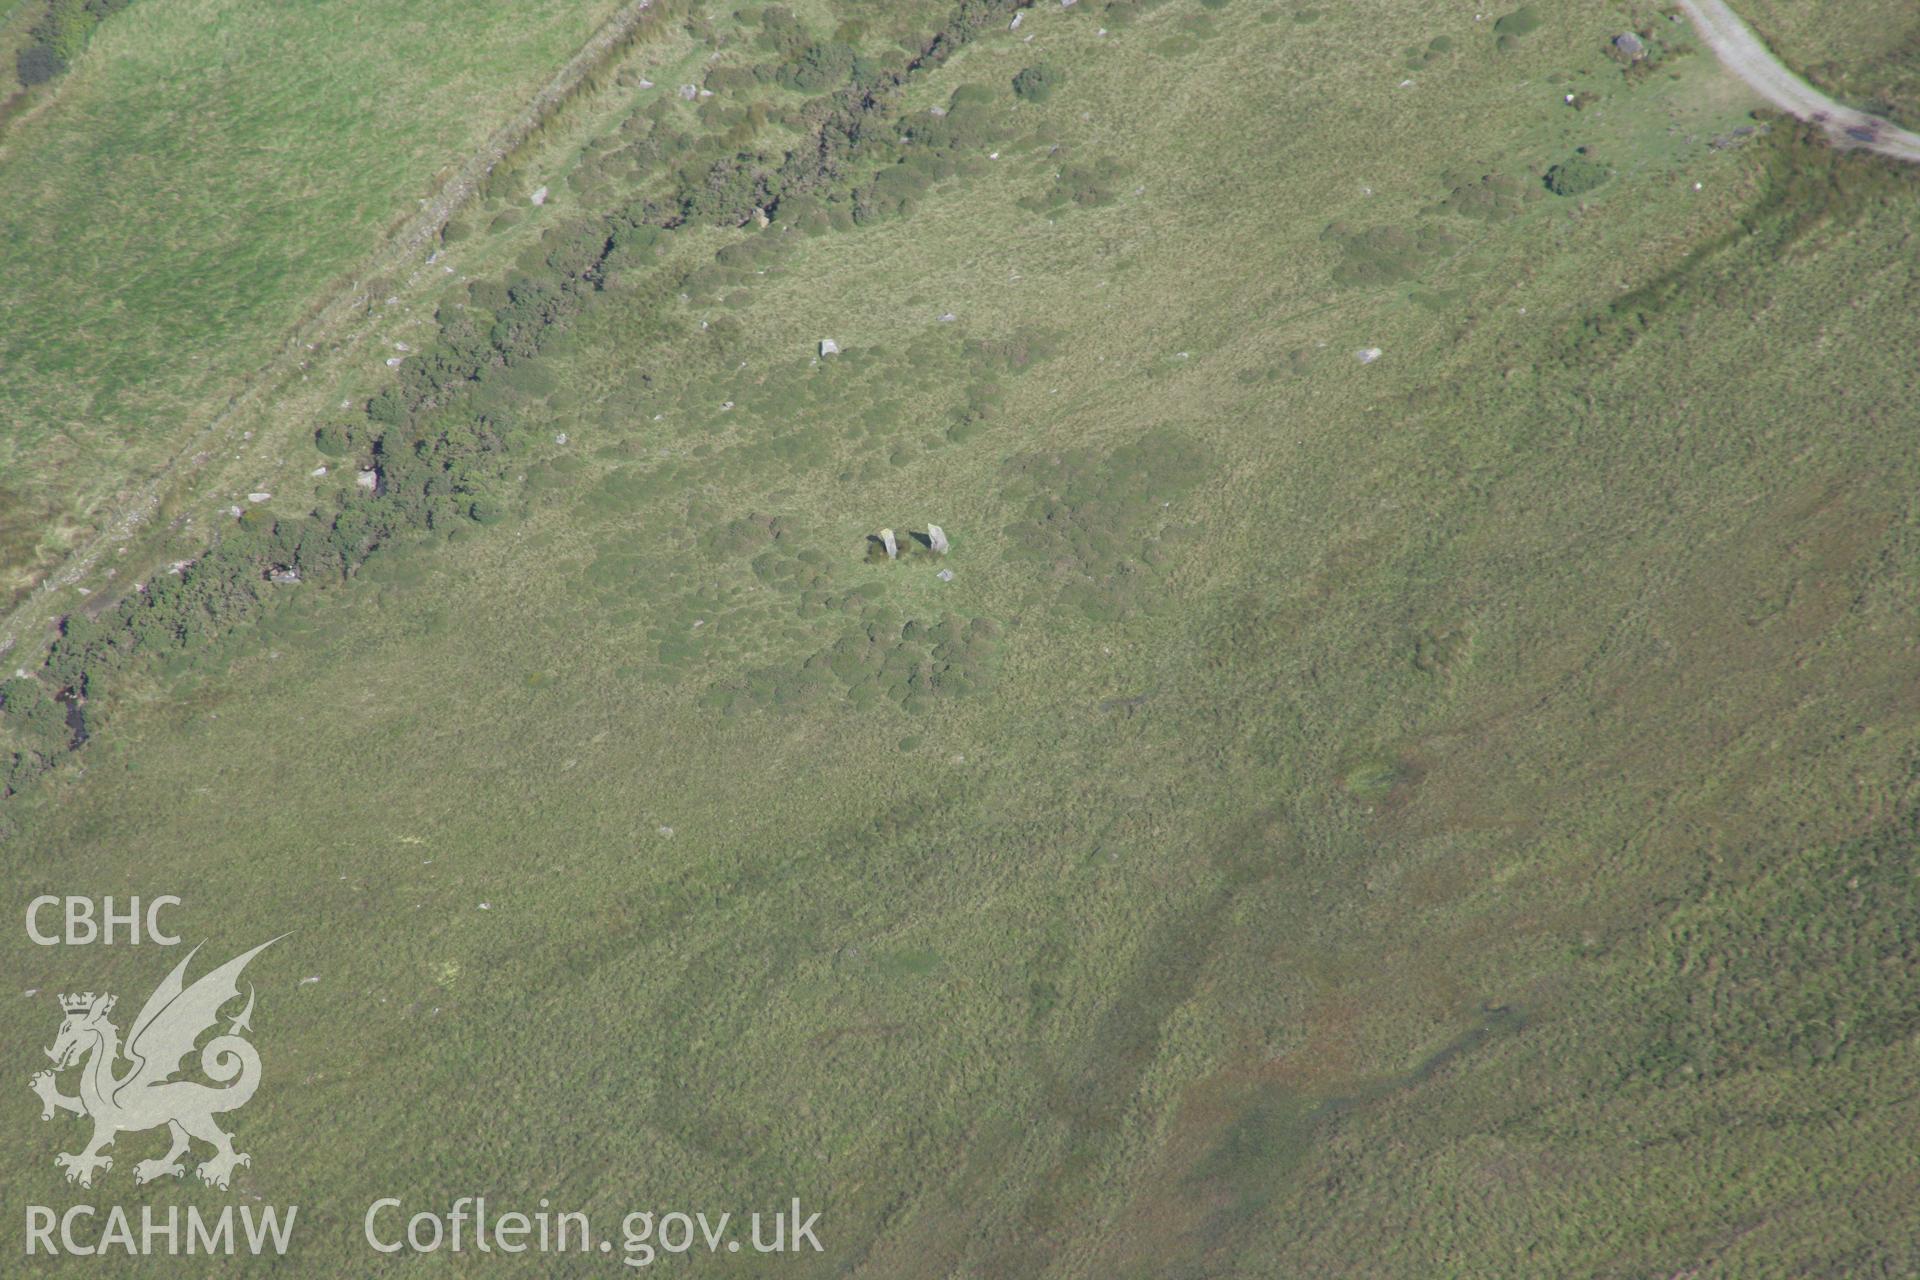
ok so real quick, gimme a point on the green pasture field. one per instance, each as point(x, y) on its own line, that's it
point(1413, 772)
point(204, 174)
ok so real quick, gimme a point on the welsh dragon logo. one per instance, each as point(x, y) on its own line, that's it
point(145, 1096)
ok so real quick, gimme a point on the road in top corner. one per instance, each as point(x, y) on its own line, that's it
point(1742, 53)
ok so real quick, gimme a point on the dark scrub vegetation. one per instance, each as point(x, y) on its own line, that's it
point(59, 35)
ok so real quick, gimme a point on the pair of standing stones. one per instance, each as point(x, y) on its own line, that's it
point(936, 538)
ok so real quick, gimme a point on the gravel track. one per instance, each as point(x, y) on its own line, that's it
point(1743, 53)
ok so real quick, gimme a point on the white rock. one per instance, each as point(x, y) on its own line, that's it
point(945, 575)
point(539, 196)
point(1367, 355)
point(368, 479)
point(1015, 24)
point(828, 347)
point(937, 539)
point(393, 362)
point(258, 497)
point(317, 472)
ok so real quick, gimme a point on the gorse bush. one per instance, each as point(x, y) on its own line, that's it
point(1037, 83)
point(1576, 176)
point(37, 64)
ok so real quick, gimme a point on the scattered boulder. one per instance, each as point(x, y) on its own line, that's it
point(828, 347)
point(1628, 46)
point(539, 196)
point(368, 479)
point(689, 92)
point(945, 575)
point(258, 497)
point(1367, 355)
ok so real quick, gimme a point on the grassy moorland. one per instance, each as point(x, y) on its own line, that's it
point(1446, 812)
point(205, 173)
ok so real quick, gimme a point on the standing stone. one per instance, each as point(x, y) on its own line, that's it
point(828, 347)
point(893, 548)
point(937, 539)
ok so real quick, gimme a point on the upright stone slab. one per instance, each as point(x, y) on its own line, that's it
point(937, 539)
point(893, 548)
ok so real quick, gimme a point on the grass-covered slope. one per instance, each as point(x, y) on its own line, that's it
point(1447, 812)
point(1867, 54)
